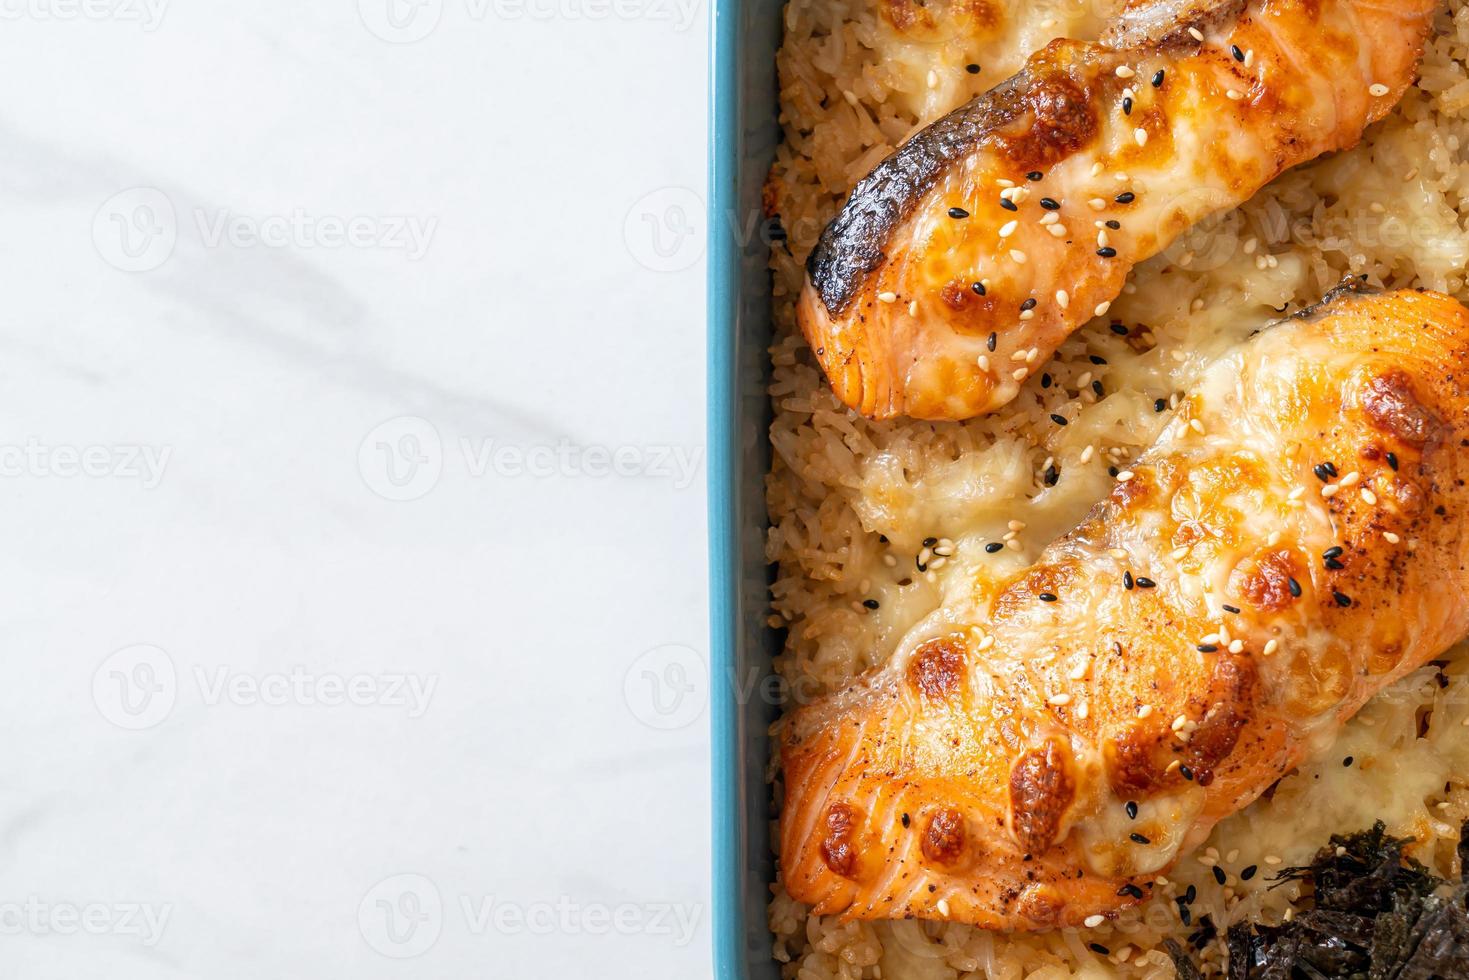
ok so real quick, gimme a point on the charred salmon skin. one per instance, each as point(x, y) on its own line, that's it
point(960, 264)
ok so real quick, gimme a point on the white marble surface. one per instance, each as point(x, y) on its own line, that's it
point(352, 489)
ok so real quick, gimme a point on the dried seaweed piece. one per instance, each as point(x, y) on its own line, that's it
point(1378, 915)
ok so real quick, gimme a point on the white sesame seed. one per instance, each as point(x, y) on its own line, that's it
point(1102, 309)
point(1249, 57)
point(1272, 859)
point(1211, 638)
point(1141, 135)
point(1097, 168)
point(1013, 545)
point(1005, 183)
point(1018, 355)
point(1032, 355)
point(984, 362)
point(1196, 425)
point(1391, 537)
point(890, 561)
point(1368, 497)
point(1103, 239)
point(1351, 479)
point(1144, 711)
point(1330, 490)
point(1125, 72)
point(933, 79)
point(850, 96)
point(1117, 553)
point(1271, 647)
point(1379, 90)
point(1092, 921)
point(1019, 373)
point(1027, 314)
point(943, 906)
point(1196, 34)
point(1008, 228)
point(1057, 231)
point(1098, 204)
point(913, 308)
point(1178, 553)
point(1018, 256)
point(1050, 218)
point(888, 297)
point(1234, 96)
point(1125, 475)
point(1179, 722)
point(1236, 646)
point(1063, 298)
point(1016, 526)
point(986, 643)
point(1081, 710)
point(1273, 540)
point(1059, 699)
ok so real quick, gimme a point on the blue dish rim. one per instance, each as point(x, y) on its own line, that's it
point(743, 132)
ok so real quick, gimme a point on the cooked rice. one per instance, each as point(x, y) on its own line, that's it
point(851, 500)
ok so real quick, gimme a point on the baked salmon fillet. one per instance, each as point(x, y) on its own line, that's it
point(960, 264)
point(1293, 543)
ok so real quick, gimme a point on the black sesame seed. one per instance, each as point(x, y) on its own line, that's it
point(1046, 380)
point(958, 214)
point(1028, 304)
point(930, 542)
point(994, 339)
point(906, 820)
point(1392, 460)
point(1035, 175)
point(1127, 106)
point(1146, 583)
point(1130, 890)
point(1295, 587)
point(1333, 564)
point(1321, 472)
point(1127, 582)
point(1342, 599)
point(1183, 913)
point(1191, 896)
point(1232, 609)
point(1107, 252)
point(1126, 197)
point(1052, 475)
point(1131, 809)
point(1160, 404)
point(1114, 224)
point(1058, 419)
point(1119, 330)
point(1139, 839)
point(1099, 949)
point(870, 603)
point(1096, 359)
point(1097, 387)
point(1238, 54)
point(1186, 773)
point(1347, 761)
point(1333, 552)
point(1158, 79)
point(1008, 204)
point(1050, 204)
point(1330, 467)
point(1248, 873)
point(972, 69)
point(1219, 875)
point(1113, 471)
point(993, 547)
point(1208, 648)
point(978, 288)
point(1047, 597)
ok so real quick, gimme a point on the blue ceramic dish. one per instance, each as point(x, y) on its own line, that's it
point(742, 137)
